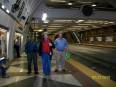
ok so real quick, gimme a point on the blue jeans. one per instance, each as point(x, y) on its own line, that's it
point(46, 63)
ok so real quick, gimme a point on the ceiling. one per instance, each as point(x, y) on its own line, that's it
point(55, 26)
point(100, 4)
point(32, 5)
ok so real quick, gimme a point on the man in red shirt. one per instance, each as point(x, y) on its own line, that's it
point(45, 51)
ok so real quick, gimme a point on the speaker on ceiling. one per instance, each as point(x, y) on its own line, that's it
point(87, 10)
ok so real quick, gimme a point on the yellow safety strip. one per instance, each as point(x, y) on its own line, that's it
point(102, 80)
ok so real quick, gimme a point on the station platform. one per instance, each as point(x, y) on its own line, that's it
point(77, 75)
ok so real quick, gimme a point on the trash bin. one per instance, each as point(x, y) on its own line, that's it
point(2, 61)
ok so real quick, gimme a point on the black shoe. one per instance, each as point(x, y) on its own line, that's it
point(28, 72)
point(36, 73)
point(56, 70)
point(5, 76)
point(64, 70)
point(47, 74)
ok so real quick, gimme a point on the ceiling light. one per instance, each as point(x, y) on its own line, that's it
point(46, 21)
point(44, 16)
point(51, 28)
point(7, 11)
point(94, 5)
point(57, 0)
point(79, 21)
point(62, 20)
point(111, 22)
point(106, 23)
point(54, 26)
point(84, 24)
point(3, 7)
point(95, 26)
point(38, 30)
point(70, 3)
point(78, 26)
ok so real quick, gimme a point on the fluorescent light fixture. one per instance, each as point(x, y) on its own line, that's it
point(106, 23)
point(18, 34)
point(62, 20)
point(78, 26)
point(46, 21)
point(94, 5)
point(79, 21)
point(69, 3)
point(7, 11)
point(84, 24)
point(57, 0)
point(54, 26)
point(112, 22)
point(44, 16)
point(38, 30)
point(95, 26)
point(3, 7)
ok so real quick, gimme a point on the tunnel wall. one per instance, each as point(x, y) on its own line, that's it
point(101, 36)
point(68, 37)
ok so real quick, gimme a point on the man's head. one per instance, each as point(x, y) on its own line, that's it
point(45, 35)
point(33, 39)
point(60, 35)
point(28, 38)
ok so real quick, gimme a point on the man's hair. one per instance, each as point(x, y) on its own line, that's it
point(45, 33)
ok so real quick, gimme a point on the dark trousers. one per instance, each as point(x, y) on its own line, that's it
point(46, 63)
point(18, 52)
point(32, 57)
point(50, 57)
point(3, 71)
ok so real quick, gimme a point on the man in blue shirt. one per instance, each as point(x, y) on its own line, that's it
point(31, 51)
point(61, 46)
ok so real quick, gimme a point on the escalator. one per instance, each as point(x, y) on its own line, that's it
point(75, 37)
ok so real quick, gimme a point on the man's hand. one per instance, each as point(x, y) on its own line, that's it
point(50, 44)
point(66, 49)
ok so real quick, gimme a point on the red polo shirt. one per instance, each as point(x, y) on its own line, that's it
point(45, 46)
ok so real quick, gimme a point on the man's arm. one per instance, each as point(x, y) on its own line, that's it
point(66, 45)
point(55, 43)
point(26, 47)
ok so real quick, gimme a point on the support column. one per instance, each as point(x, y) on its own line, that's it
point(10, 39)
point(25, 34)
